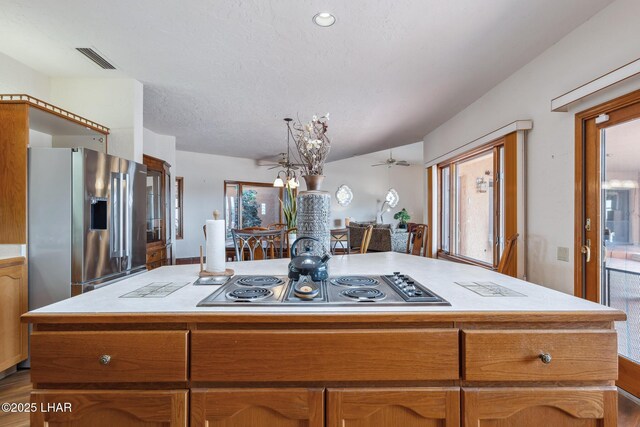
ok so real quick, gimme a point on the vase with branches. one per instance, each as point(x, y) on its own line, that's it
point(313, 148)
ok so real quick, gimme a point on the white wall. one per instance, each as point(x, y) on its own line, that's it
point(17, 78)
point(370, 185)
point(204, 176)
point(605, 42)
point(115, 103)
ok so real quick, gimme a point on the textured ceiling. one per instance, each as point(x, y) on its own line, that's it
point(221, 75)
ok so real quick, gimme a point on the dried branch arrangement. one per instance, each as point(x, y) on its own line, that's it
point(312, 144)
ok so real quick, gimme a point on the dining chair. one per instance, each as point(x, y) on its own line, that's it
point(509, 249)
point(258, 244)
point(417, 240)
point(342, 237)
point(366, 239)
point(282, 226)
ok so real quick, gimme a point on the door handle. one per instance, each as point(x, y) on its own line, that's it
point(585, 249)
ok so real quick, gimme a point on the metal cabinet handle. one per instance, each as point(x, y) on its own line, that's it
point(104, 359)
point(545, 357)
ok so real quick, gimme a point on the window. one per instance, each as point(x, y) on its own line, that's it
point(251, 204)
point(178, 207)
point(473, 202)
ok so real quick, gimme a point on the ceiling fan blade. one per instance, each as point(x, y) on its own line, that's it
point(380, 164)
point(402, 163)
point(274, 167)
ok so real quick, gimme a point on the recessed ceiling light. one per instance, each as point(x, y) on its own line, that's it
point(324, 19)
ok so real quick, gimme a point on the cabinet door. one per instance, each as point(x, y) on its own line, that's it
point(13, 294)
point(282, 407)
point(539, 406)
point(392, 407)
point(122, 408)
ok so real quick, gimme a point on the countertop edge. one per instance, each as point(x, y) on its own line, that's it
point(322, 318)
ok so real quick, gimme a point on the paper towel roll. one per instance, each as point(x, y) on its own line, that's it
point(216, 236)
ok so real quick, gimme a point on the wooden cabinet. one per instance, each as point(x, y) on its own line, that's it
point(14, 138)
point(101, 408)
point(291, 370)
point(276, 407)
point(406, 407)
point(380, 355)
point(13, 297)
point(108, 356)
point(540, 406)
point(516, 355)
point(159, 248)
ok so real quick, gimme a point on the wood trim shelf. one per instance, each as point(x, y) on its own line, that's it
point(49, 108)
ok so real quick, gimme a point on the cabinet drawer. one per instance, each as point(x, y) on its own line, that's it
point(156, 254)
point(77, 357)
point(516, 355)
point(325, 355)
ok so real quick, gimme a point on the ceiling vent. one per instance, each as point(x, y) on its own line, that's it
point(95, 57)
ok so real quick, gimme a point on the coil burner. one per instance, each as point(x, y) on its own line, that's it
point(355, 281)
point(364, 294)
point(259, 281)
point(249, 294)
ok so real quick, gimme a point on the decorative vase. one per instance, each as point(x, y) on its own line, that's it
point(313, 182)
point(314, 209)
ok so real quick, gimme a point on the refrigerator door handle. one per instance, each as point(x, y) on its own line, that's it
point(126, 220)
point(122, 199)
point(116, 210)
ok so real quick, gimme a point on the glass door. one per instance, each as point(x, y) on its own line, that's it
point(620, 231)
point(608, 222)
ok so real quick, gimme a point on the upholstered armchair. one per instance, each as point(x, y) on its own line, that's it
point(380, 238)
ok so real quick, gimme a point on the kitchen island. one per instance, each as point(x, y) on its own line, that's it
point(535, 357)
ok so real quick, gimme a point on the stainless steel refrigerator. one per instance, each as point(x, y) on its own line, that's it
point(87, 215)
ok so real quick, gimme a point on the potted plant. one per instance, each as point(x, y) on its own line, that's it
point(290, 211)
point(402, 217)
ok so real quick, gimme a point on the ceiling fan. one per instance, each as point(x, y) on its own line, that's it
point(392, 162)
point(281, 160)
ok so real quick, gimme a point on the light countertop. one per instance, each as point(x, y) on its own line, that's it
point(438, 275)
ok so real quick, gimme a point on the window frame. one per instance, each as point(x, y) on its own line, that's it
point(240, 184)
point(180, 208)
point(495, 147)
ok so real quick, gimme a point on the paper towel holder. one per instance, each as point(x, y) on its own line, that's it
point(204, 273)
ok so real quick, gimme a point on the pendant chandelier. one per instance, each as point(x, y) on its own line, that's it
point(287, 174)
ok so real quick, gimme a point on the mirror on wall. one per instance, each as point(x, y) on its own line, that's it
point(344, 195)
